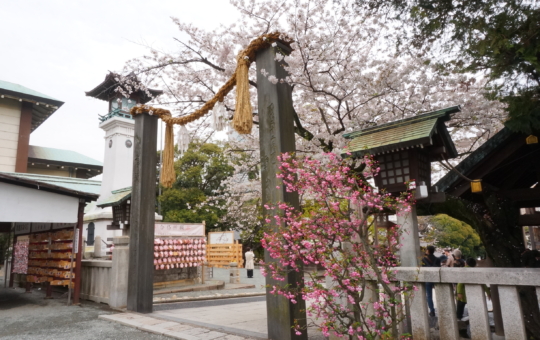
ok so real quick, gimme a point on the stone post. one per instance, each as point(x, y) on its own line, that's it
point(143, 201)
point(409, 255)
point(276, 134)
point(98, 247)
point(234, 273)
point(119, 272)
point(497, 311)
point(476, 305)
point(514, 323)
point(446, 311)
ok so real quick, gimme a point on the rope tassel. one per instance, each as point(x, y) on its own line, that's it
point(243, 116)
point(168, 176)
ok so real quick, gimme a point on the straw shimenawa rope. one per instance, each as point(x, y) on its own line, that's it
point(243, 117)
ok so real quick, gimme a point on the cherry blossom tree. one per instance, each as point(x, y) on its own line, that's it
point(344, 206)
point(345, 73)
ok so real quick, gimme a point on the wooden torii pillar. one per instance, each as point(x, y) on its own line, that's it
point(276, 128)
point(276, 136)
point(143, 206)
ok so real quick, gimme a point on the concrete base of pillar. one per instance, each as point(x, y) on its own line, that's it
point(119, 273)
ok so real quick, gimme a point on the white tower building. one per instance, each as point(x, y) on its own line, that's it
point(119, 128)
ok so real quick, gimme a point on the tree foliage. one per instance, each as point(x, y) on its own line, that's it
point(200, 173)
point(344, 72)
point(450, 232)
point(500, 38)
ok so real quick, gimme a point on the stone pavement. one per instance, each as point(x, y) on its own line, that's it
point(170, 329)
point(245, 318)
point(257, 284)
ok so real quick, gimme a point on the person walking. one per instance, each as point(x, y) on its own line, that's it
point(250, 265)
point(430, 260)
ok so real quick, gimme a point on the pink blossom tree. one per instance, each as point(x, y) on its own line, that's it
point(345, 72)
point(337, 234)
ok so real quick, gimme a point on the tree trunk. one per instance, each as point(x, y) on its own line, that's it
point(496, 224)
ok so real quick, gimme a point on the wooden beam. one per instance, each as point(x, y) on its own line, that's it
point(515, 175)
point(5, 227)
point(522, 195)
point(143, 199)
point(80, 250)
point(490, 163)
point(529, 220)
point(25, 128)
point(437, 151)
point(276, 135)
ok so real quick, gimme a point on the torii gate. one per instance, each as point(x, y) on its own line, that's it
point(276, 134)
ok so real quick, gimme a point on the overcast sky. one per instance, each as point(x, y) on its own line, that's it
point(63, 48)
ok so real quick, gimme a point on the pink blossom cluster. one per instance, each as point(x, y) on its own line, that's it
point(334, 231)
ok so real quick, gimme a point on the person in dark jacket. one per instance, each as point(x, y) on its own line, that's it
point(430, 260)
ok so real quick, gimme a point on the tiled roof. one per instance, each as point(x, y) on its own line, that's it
point(403, 133)
point(5, 85)
point(43, 106)
point(117, 197)
point(60, 155)
point(74, 184)
point(107, 89)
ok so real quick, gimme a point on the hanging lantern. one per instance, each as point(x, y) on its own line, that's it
point(532, 139)
point(476, 185)
point(183, 139)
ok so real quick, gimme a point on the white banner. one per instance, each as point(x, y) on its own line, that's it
point(179, 229)
point(22, 228)
point(76, 242)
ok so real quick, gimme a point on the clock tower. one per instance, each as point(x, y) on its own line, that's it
point(119, 126)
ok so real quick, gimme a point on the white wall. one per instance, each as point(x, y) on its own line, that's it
point(21, 204)
point(118, 163)
point(10, 118)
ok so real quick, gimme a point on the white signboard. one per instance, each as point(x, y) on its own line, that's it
point(63, 225)
point(222, 237)
point(22, 228)
point(179, 229)
point(38, 227)
point(76, 243)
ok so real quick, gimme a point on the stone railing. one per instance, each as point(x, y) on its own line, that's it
point(106, 281)
point(503, 282)
point(96, 280)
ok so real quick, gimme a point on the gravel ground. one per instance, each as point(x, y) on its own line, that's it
point(30, 316)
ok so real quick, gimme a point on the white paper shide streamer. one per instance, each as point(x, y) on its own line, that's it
point(183, 139)
point(218, 116)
